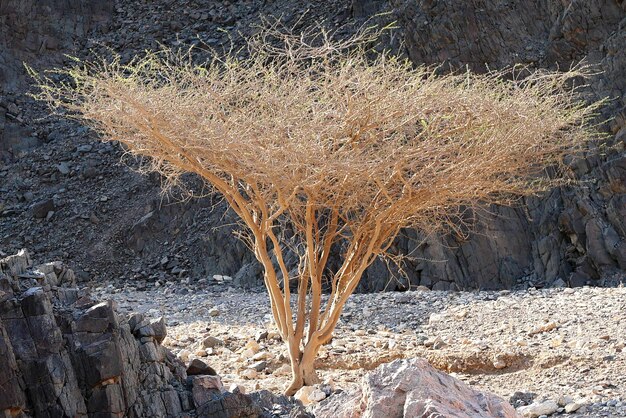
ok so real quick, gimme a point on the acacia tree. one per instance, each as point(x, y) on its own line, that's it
point(340, 147)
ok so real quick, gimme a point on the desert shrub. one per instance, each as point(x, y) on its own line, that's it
point(340, 146)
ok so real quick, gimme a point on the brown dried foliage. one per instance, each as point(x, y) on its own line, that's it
point(347, 147)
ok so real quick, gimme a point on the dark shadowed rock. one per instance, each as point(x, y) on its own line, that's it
point(566, 234)
point(199, 367)
point(41, 209)
point(160, 331)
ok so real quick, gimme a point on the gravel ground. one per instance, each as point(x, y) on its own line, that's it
point(549, 344)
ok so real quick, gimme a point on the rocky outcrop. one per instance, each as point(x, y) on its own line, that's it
point(70, 356)
point(489, 34)
point(64, 355)
point(413, 389)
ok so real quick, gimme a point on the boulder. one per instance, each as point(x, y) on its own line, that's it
point(412, 389)
point(68, 355)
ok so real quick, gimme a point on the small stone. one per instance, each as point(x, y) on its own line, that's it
point(309, 394)
point(247, 353)
point(317, 395)
point(574, 406)
point(564, 400)
point(259, 366)
point(499, 363)
point(63, 168)
point(262, 355)
point(183, 355)
point(435, 343)
point(260, 336)
point(537, 409)
point(249, 374)
point(522, 398)
point(273, 335)
point(548, 326)
point(284, 370)
point(214, 312)
point(254, 346)
point(436, 317)
point(211, 342)
point(41, 209)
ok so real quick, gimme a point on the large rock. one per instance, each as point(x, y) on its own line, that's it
point(413, 389)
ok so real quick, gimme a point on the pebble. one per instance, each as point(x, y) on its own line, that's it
point(573, 406)
point(310, 394)
point(537, 409)
point(249, 374)
point(63, 168)
point(499, 364)
point(259, 366)
point(183, 355)
point(212, 342)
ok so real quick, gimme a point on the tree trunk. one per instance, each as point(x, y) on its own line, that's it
point(302, 367)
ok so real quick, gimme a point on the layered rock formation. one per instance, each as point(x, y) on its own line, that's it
point(67, 355)
point(64, 355)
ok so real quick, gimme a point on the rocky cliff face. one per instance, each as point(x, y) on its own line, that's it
point(37, 32)
point(65, 195)
point(570, 236)
point(31, 30)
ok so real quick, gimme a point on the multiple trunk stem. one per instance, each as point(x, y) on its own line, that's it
point(302, 366)
point(365, 243)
